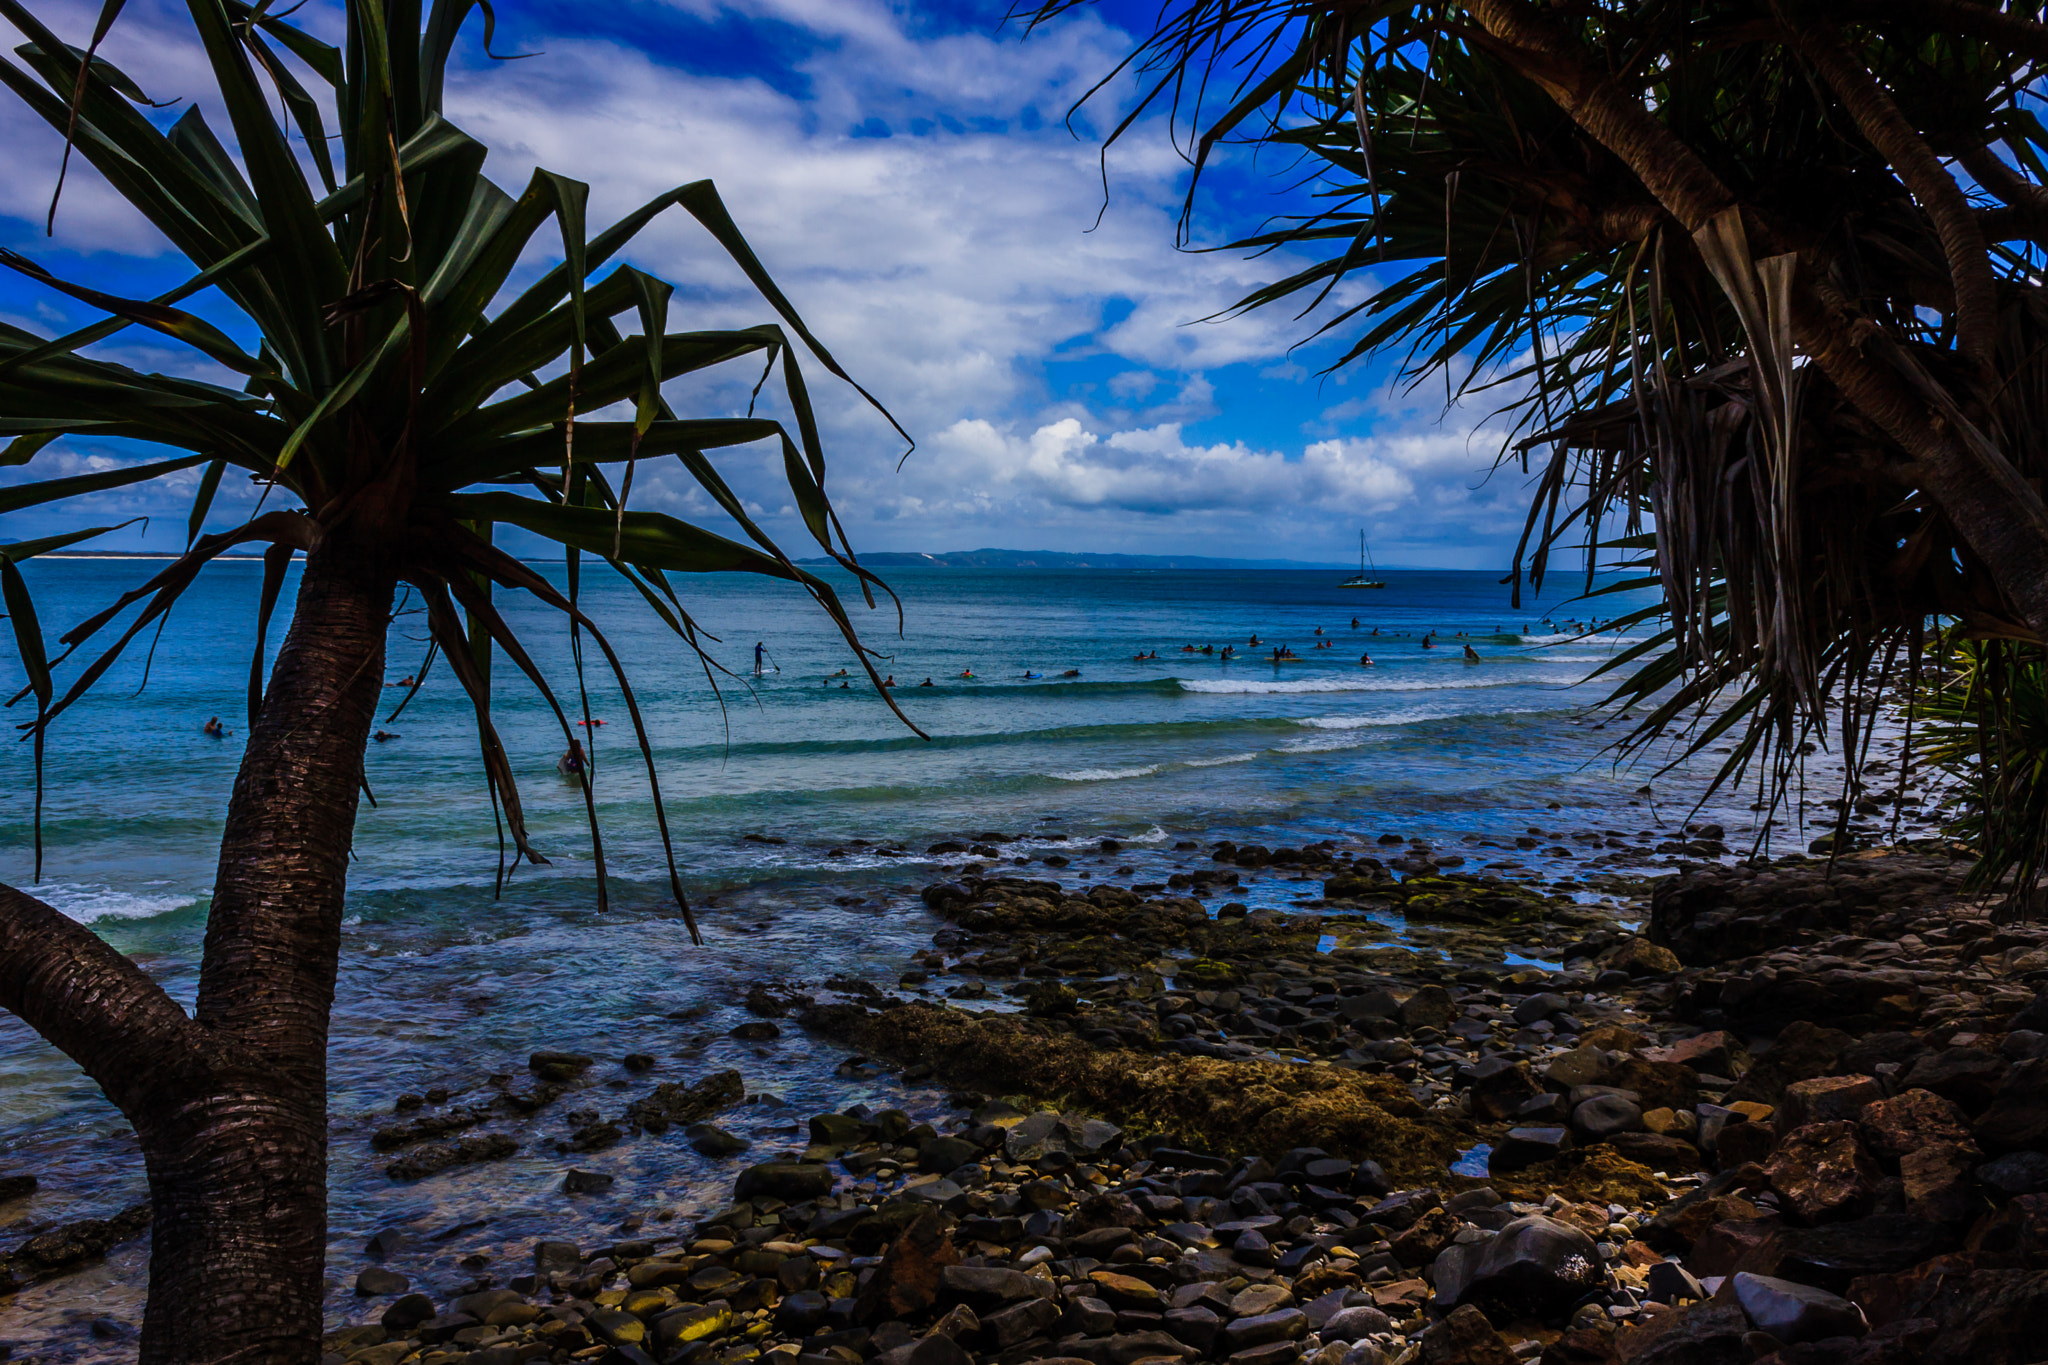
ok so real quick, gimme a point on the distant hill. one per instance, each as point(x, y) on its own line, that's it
point(1062, 559)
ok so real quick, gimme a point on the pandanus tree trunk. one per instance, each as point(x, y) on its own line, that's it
point(230, 1102)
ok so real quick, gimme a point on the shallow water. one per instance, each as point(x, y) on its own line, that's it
point(442, 985)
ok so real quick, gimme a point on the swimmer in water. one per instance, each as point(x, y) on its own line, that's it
point(1354, 623)
point(573, 761)
point(1365, 660)
point(1427, 643)
point(1471, 655)
point(889, 681)
point(844, 686)
point(926, 683)
point(1071, 673)
point(383, 735)
point(213, 727)
point(1255, 641)
point(405, 681)
point(840, 674)
point(966, 672)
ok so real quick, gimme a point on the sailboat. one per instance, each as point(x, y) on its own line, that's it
point(1361, 580)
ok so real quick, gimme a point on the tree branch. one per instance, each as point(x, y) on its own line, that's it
point(1962, 241)
point(2009, 32)
point(100, 1009)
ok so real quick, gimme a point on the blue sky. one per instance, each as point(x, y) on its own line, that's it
point(906, 172)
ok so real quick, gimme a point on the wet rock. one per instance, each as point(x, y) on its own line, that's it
point(434, 1157)
point(1465, 1337)
point(70, 1246)
point(588, 1182)
point(755, 1031)
point(673, 1103)
point(1796, 1312)
point(393, 1136)
point(1823, 1173)
point(558, 1066)
point(786, 1180)
point(14, 1187)
point(376, 1282)
point(407, 1313)
point(708, 1139)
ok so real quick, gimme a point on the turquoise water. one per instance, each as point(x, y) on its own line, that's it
point(443, 985)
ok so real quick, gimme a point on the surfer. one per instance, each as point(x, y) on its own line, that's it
point(759, 649)
point(926, 683)
point(966, 672)
point(1029, 676)
point(1365, 660)
point(572, 763)
point(1255, 640)
point(1471, 655)
point(1354, 623)
point(1428, 642)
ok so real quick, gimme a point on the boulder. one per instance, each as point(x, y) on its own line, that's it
point(1824, 1099)
point(1604, 1116)
point(791, 1181)
point(1718, 1053)
point(1535, 1267)
point(1525, 1147)
point(2017, 1119)
point(1822, 1172)
point(1796, 1312)
point(1429, 1007)
point(1937, 1182)
point(1801, 1051)
point(1909, 1121)
point(1641, 957)
point(1970, 1076)
point(1465, 1337)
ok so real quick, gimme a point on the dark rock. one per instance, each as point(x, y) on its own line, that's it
point(1796, 1312)
point(1419, 1244)
point(1867, 1054)
point(1986, 1317)
point(1833, 1256)
point(1500, 1086)
point(2017, 1119)
point(755, 1031)
point(1197, 1326)
point(1524, 1147)
point(1909, 1121)
point(802, 1313)
point(549, 1257)
point(1535, 1267)
point(933, 1350)
point(674, 1103)
point(1465, 1337)
point(70, 1245)
point(1535, 1007)
point(1704, 1334)
point(1429, 1007)
point(1823, 1173)
point(1969, 1076)
point(376, 1282)
point(407, 1313)
point(1353, 1324)
point(992, 1286)
point(1658, 1151)
point(1285, 1324)
point(2015, 1173)
point(1802, 1051)
point(1936, 1178)
point(558, 1066)
point(708, 1139)
point(1604, 1116)
point(1825, 1098)
point(1669, 1282)
point(786, 1180)
point(588, 1182)
point(14, 1187)
point(1007, 1327)
point(434, 1157)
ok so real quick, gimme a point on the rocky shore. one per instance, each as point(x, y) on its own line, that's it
point(1791, 1111)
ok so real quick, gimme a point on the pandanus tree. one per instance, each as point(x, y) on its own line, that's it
point(397, 396)
point(1756, 285)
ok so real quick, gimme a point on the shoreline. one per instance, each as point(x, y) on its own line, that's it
point(1424, 1043)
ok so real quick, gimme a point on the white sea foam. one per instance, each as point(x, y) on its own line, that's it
point(1219, 762)
point(1104, 774)
point(1254, 686)
point(87, 904)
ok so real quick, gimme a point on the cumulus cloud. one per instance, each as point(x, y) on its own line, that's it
point(915, 193)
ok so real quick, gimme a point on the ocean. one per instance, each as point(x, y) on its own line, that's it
point(802, 812)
